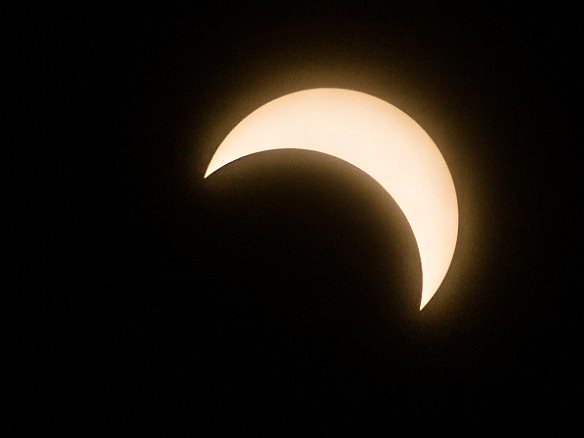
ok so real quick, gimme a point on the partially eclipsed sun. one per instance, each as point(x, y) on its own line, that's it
point(379, 139)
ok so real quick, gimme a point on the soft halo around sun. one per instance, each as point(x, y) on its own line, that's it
point(379, 139)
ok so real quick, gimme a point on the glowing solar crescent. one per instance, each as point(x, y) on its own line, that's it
point(379, 139)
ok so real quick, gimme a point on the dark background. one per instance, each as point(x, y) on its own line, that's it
point(284, 288)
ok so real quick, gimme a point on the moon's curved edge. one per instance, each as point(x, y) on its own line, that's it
point(252, 126)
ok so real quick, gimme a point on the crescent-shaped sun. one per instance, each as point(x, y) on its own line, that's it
point(379, 139)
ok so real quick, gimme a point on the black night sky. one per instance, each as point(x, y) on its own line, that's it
point(283, 290)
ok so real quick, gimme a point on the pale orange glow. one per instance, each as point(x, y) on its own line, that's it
point(379, 139)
